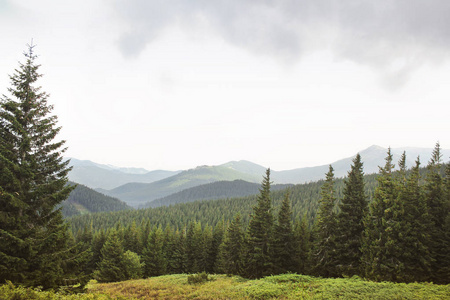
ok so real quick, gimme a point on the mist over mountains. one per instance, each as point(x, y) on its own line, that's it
point(137, 186)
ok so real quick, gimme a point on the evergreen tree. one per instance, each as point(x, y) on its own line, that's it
point(445, 268)
point(213, 252)
point(414, 255)
point(259, 260)
point(283, 250)
point(178, 262)
point(231, 250)
point(112, 264)
point(438, 212)
point(380, 252)
point(155, 263)
point(353, 209)
point(33, 177)
point(302, 236)
point(132, 239)
point(325, 246)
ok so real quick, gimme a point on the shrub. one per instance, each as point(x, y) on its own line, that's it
point(198, 278)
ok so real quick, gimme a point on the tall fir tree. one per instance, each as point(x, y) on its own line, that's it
point(302, 246)
point(231, 251)
point(324, 254)
point(414, 239)
point(33, 177)
point(445, 269)
point(380, 253)
point(112, 263)
point(283, 249)
point(258, 257)
point(153, 256)
point(438, 212)
point(353, 209)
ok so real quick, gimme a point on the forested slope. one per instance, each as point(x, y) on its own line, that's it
point(304, 199)
point(84, 200)
point(213, 191)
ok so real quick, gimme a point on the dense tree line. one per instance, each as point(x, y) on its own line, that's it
point(212, 191)
point(304, 203)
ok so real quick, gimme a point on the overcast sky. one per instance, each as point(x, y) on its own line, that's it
point(173, 84)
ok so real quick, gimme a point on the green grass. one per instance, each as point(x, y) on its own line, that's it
point(288, 286)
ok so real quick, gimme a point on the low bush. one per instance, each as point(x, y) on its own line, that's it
point(198, 278)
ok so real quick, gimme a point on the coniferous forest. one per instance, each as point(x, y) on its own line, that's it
point(391, 226)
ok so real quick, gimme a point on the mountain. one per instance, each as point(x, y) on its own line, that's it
point(372, 157)
point(83, 200)
point(212, 191)
point(108, 177)
point(136, 194)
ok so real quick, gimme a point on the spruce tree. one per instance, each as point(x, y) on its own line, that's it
point(325, 246)
point(283, 249)
point(353, 209)
point(112, 264)
point(258, 259)
point(380, 253)
point(154, 259)
point(231, 251)
point(302, 246)
point(438, 211)
point(33, 178)
point(445, 269)
point(414, 240)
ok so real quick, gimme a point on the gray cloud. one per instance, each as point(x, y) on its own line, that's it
point(393, 37)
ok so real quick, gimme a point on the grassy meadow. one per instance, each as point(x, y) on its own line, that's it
point(288, 286)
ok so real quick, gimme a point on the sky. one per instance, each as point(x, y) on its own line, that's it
point(286, 84)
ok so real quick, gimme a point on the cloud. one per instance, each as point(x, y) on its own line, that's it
point(394, 37)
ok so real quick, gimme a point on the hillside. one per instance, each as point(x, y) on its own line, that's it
point(372, 157)
point(136, 194)
point(304, 197)
point(108, 177)
point(213, 191)
point(83, 200)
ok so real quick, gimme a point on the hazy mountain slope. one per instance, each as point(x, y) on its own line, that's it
point(84, 200)
point(372, 157)
point(212, 191)
point(136, 194)
point(96, 175)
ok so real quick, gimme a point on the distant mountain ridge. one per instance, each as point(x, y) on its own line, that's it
point(138, 192)
point(213, 191)
point(108, 177)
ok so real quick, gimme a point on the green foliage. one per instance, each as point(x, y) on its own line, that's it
point(133, 265)
point(283, 246)
point(438, 209)
point(231, 252)
point(212, 191)
point(259, 257)
point(33, 236)
point(199, 278)
point(352, 210)
point(153, 255)
point(324, 254)
point(112, 264)
point(85, 200)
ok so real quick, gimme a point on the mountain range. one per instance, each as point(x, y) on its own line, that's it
point(145, 186)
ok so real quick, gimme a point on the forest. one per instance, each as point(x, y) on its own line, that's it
point(332, 229)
